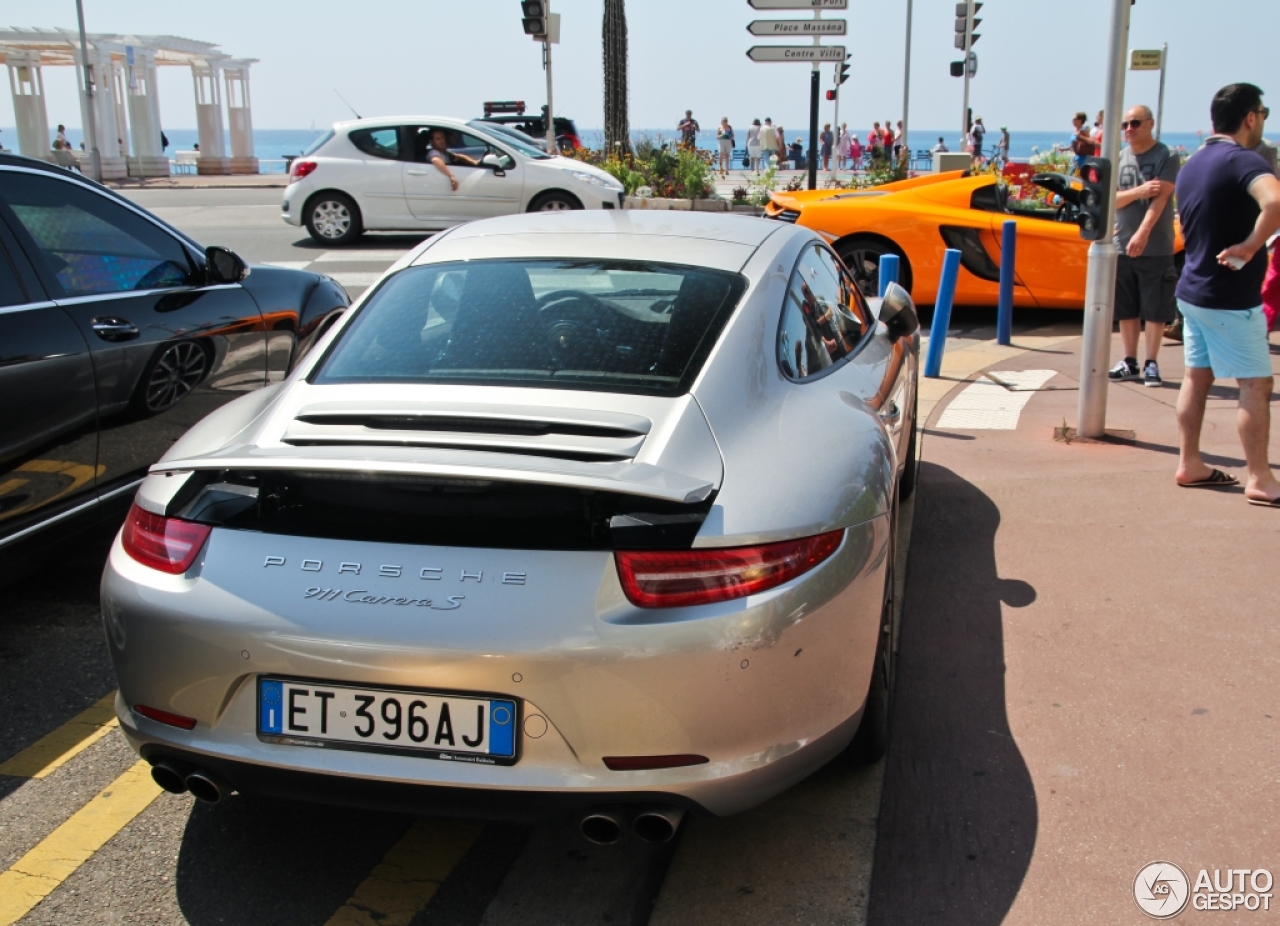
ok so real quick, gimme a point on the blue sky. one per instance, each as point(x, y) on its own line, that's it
point(1039, 60)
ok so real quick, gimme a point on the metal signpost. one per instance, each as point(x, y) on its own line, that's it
point(1153, 60)
point(813, 54)
point(1100, 286)
point(95, 156)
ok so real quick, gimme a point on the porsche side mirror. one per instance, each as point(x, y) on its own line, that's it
point(898, 312)
point(223, 265)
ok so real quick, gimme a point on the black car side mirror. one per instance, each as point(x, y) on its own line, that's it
point(898, 312)
point(223, 265)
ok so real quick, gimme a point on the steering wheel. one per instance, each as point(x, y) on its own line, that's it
point(569, 338)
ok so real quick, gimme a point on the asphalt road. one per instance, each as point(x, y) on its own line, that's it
point(806, 856)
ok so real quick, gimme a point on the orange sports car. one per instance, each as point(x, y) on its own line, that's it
point(919, 218)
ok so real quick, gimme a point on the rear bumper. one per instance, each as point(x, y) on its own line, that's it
point(471, 803)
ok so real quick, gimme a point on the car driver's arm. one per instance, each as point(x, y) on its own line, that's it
point(1265, 190)
point(436, 157)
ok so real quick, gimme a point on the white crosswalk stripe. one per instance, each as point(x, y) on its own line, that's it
point(990, 405)
point(361, 257)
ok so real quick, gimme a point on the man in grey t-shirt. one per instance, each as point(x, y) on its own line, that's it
point(1145, 275)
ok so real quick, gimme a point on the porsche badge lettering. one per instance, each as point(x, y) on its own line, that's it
point(387, 571)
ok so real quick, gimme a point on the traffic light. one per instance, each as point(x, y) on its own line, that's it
point(842, 73)
point(957, 69)
point(831, 94)
point(535, 18)
point(1095, 198)
point(962, 14)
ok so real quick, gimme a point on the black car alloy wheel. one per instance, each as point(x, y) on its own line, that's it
point(174, 373)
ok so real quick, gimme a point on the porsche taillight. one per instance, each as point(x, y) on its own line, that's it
point(165, 544)
point(676, 578)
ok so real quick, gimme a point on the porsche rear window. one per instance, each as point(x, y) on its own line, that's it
point(612, 326)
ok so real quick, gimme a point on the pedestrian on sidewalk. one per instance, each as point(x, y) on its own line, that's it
point(855, 153)
point(782, 147)
point(1229, 205)
point(688, 128)
point(724, 136)
point(768, 141)
point(1081, 142)
point(753, 145)
point(1002, 147)
point(826, 141)
point(60, 142)
point(1145, 272)
point(875, 141)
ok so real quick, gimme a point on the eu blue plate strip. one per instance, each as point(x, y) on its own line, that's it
point(502, 728)
point(270, 706)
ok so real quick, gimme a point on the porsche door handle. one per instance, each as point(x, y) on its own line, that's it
point(110, 328)
point(417, 173)
point(890, 413)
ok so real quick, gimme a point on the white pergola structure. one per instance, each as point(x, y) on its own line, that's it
point(125, 99)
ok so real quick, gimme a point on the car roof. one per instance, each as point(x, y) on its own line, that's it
point(398, 120)
point(721, 241)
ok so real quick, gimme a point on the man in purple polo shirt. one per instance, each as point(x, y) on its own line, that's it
point(1229, 205)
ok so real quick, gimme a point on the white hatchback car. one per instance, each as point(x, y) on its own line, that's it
point(373, 175)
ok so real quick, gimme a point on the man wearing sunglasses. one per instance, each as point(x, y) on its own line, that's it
point(1229, 205)
point(1145, 273)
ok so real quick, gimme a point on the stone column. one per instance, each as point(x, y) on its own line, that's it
point(213, 150)
point(104, 110)
point(26, 81)
point(149, 159)
point(240, 117)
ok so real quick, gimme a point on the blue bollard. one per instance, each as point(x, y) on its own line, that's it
point(942, 313)
point(1008, 254)
point(888, 271)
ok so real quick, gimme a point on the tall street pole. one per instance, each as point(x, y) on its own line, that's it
point(1100, 285)
point(968, 42)
point(815, 81)
point(95, 156)
point(552, 147)
point(1164, 63)
point(906, 87)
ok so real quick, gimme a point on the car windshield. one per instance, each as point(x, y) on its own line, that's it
point(512, 138)
point(613, 326)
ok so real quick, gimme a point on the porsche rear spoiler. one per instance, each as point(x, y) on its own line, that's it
point(626, 478)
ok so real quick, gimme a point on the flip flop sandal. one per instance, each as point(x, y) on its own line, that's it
point(1265, 502)
point(1216, 479)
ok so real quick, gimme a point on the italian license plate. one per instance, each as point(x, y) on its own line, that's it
point(432, 725)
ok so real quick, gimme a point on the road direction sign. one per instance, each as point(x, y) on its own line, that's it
point(1145, 60)
point(789, 27)
point(799, 4)
point(805, 54)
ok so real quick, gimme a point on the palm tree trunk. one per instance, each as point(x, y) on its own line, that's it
point(617, 135)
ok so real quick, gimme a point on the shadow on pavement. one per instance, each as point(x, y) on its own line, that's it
point(958, 815)
point(246, 860)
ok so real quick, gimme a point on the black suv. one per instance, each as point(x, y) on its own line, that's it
point(566, 132)
point(117, 333)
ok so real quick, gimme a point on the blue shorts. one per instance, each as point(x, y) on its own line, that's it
point(1230, 342)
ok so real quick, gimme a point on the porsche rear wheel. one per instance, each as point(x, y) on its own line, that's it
point(862, 256)
point(872, 739)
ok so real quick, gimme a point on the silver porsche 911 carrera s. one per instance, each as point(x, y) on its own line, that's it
point(582, 513)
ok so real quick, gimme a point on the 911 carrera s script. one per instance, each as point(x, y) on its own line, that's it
point(363, 596)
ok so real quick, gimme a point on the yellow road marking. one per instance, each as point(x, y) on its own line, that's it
point(64, 743)
point(408, 876)
point(55, 858)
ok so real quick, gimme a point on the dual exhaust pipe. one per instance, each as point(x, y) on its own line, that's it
point(601, 826)
point(179, 778)
point(656, 824)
